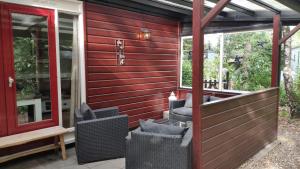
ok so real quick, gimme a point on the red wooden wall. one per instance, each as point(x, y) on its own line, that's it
point(181, 93)
point(141, 87)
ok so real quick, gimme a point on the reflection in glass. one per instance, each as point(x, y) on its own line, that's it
point(69, 61)
point(31, 65)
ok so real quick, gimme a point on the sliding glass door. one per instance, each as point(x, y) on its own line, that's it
point(69, 69)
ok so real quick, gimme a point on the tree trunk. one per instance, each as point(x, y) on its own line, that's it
point(287, 74)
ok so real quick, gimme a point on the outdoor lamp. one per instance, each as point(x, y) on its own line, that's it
point(145, 34)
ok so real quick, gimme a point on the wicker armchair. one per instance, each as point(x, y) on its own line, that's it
point(179, 105)
point(178, 111)
point(101, 138)
point(158, 151)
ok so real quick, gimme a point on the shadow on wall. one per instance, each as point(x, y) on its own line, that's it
point(140, 87)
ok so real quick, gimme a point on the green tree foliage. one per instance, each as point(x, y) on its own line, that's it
point(211, 65)
point(25, 65)
point(187, 73)
point(23, 52)
point(211, 68)
point(254, 72)
point(297, 87)
point(282, 96)
point(187, 62)
point(255, 49)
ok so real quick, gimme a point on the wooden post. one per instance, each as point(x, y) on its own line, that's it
point(197, 80)
point(199, 23)
point(276, 62)
point(276, 52)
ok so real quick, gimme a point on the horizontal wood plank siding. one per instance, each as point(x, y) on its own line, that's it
point(234, 129)
point(181, 93)
point(139, 88)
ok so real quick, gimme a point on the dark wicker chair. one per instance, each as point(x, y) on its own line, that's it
point(179, 104)
point(178, 112)
point(158, 151)
point(101, 138)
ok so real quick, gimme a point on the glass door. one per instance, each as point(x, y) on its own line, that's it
point(30, 68)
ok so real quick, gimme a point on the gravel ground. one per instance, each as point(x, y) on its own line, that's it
point(285, 155)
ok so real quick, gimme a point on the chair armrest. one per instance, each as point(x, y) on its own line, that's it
point(106, 112)
point(187, 138)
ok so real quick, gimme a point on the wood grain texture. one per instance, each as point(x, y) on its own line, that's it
point(181, 93)
point(236, 128)
point(31, 136)
point(27, 152)
point(276, 51)
point(10, 142)
point(139, 88)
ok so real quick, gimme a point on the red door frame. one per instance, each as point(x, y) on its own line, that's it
point(3, 121)
point(7, 35)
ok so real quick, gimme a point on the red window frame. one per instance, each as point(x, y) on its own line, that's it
point(3, 121)
point(10, 93)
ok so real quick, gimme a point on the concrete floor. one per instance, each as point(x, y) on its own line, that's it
point(51, 160)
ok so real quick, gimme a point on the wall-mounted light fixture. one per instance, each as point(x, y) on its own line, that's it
point(144, 34)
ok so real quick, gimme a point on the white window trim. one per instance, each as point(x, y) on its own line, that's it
point(187, 87)
point(73, 7)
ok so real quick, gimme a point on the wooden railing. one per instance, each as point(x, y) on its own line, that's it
point(214, 84)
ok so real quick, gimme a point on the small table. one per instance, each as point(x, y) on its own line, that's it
point(166, 114)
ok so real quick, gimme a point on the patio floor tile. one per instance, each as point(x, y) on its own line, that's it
point(51, 160)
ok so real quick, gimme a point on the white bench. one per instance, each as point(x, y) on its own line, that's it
point(23, 138)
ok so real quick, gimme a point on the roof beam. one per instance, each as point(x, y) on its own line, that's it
point(266, 6)
point(291, 33)
point(293, 4)
point(237, 8)
point(211, 30)
point(188, 5)
point(160, 5)
point(222, 13)
point(214, 12)
point(137, 7)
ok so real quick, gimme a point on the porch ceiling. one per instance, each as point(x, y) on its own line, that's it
point(237, 13)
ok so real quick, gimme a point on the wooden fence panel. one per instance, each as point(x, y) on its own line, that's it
point(234, 129)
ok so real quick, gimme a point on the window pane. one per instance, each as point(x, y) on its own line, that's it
point(68, 67)
point(187, 62)
point(246, 63)
point(31, 64)
point(211, 61)
point(249, 59)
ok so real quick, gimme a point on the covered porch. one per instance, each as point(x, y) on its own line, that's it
point(132, 60)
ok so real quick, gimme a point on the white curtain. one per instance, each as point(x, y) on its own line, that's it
point(75, 74)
